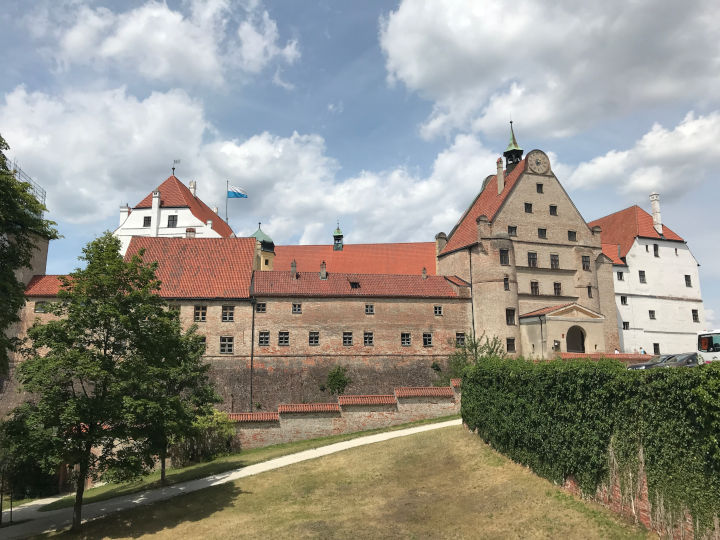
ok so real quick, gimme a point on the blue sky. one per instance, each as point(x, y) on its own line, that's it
point(386, 116)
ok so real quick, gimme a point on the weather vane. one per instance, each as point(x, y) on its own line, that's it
point(175, 162)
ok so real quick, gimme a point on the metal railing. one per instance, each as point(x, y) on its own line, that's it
point(35, 188)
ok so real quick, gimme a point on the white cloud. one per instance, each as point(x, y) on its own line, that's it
point(557, 67)
point(258, 43)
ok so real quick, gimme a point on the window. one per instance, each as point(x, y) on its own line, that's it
point(626, 325)
point(695, 315)
point(40, 307)
point(459, 339)
point(676, 252)
point(510, 344)
point(506, 283)
point(228, 313)
point(510, 317)
point(203, 340)
point(542, 233)
point(557, 288)
point(172, 221)
point(589, 290)
point(369, 309)
point(437, 310)
point(586, 262)
point(651, 314)
point(264, 338)
point(347, 339)
point(427, 339)
point(647, 248)
point(504, 257)
point(528, 208)
point(553, 210)
point(200, 314)
point(354, 284)
point(534, 288)
point(554, 261)
point(656, 348)
point(283, 338)
point(368, 340)
point(656, 250)
point(532, 259)
point(260, 307)
point(314, 339)
point(267, 262)
point(688, 281)
point(572, 236)
point(641, 274)
point(620, 276)
point(539, 188)
point(297, 309)
point(512, 230)
point(405, 339)
point(623, 300)
point(147, 220)
point(226, 345)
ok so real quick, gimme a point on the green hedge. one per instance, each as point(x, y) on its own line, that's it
point(563, 418)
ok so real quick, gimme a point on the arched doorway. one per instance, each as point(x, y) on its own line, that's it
point(576, 339)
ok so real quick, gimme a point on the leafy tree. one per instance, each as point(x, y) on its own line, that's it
point(472, 352)
point(210, 436)
point(21, 223)
point(337, 380)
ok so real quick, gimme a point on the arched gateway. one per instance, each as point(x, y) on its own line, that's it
point(576, 339)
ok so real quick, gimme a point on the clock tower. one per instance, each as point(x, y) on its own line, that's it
point(513, 153)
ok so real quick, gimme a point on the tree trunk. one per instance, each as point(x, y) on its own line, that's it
point(2, 489)
point(163, 458)
point(81, 479)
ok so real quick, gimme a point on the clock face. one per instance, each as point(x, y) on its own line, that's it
point(538, 162)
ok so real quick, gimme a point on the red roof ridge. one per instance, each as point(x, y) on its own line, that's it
point(546, 309)
point(308, 407)
point(371, 399)
point(456, 383)
point(254, 417)
point(424, 391)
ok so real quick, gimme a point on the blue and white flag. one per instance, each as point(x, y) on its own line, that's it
point(236, 193)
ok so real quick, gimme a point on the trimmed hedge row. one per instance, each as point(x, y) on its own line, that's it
point(564, 418)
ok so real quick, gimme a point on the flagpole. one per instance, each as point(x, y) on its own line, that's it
point(227, 187)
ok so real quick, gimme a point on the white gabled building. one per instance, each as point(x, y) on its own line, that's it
point(657, 285)
point(172, 210)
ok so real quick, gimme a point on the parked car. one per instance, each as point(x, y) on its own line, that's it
point(683, 360)
point(655, 361)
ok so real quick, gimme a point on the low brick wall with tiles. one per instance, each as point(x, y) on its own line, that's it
point(351, 413)
point(625, 358)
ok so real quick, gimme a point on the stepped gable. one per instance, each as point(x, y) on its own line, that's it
point(199, 267)
point(622, 227)
point(488, 202)
point(175, 194)
point(400, 258)
point(43, 286)
point(309, 284)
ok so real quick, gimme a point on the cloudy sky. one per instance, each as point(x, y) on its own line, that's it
point(386, 116)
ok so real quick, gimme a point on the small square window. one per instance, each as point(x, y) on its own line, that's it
point(641, 275)
point(354, 284)
point(528, 208)
point(504, 257)
point(553, 210)
point(427, 339)
point(369, 309)
point(620, 276)
point(203, 340)
point(267, 262)
point(651, 314)
point(283, 338)
point(40, 307)
point(260, 307)
point(459, 339)
point(656, 250)
point(296, 309)
point(200, 314)
point(264, 338)
point(539, 188)
point(586, 262)
point(506, 283)
point(405, 339)
point(347, 339)
point(314, 339)
point(228, 313)
point(688, 281)
point(589, 291)
point(437, 310)
point(695, 315)
point(557, 288)
point(572, 236)
point(626, 325)
point(656, 348)
point(226, 345)
point(532, 259)
point(147, 220)
point(512, 230)
point(172, 221)
point(542, 233)
point(368, 339)
point(623, 300)
point(510, 317)
point(554, 261)
point(534, 288)
point(510, 344)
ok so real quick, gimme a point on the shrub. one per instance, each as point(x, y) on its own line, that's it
point(337, 380)
point(211, 436)
point(474, 351)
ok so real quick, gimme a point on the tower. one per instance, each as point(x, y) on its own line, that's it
point(338, 239)
point(513, 153)
point(265, 251)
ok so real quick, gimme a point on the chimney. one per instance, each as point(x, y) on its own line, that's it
point(619, 252)
point(155, 213)
point(655, 206)
point(193, 187)
point(190, 232)
point(500, 176)
point(424, 273)
point(124, 213)
point(323, 271)
point(208, 223)
point(440, 242)
point(293, 269)
point(215, 209)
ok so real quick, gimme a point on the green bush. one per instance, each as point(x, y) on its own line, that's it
point(565, 418)
point(337, 380)
point(211, 436)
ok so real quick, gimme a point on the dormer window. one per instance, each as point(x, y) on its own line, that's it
point(354, 284)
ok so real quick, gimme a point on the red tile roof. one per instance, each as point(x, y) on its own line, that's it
point(308, 407)
point(424, 391)
point(456, 383)
point(488, 202)
point(43, 286)
point(199, 267)
point(367, 400)
point(408, 258)
point(547, 309)
point(255, 417)
point(175, 194)
point(280, 283)
point(611, 252)
point(624, 226)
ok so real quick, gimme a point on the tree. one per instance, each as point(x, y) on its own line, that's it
point(90, 369)
point(337, 380)
point(472, 352)
point(21, 223)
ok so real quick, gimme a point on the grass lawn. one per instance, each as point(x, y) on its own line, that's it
point(220, 465)
point(437, 484)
